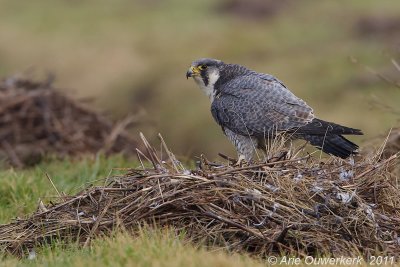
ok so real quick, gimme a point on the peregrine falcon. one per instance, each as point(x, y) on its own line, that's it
point(251, 107)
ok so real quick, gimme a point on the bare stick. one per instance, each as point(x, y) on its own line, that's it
point(54, 186)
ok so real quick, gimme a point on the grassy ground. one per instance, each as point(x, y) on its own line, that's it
point(133, 55)
point(20, 191)
point(149, 248)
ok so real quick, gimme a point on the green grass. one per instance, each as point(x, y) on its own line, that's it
point(20, 191)
point(148, 248)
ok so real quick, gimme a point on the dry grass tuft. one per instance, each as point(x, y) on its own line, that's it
point(36, 119)
point(295, 206)
point(392, 145)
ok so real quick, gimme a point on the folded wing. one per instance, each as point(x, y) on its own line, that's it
point(257, 104)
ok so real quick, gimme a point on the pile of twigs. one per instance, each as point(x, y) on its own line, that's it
point(392, 145)
point(37, 120)
point(294, 205)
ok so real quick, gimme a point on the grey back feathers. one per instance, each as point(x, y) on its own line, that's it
point(251, 106)
point(254, 104)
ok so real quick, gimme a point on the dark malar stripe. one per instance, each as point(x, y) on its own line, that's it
point(205, 77)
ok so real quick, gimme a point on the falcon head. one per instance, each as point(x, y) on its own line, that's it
point(206, 72)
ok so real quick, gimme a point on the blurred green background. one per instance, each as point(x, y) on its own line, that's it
point(132, 56)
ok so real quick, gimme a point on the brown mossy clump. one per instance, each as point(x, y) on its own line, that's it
point(37, 120)
point(290, 206)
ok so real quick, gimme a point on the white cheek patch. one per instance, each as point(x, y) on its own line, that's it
point(213, 78)
point(209, 89)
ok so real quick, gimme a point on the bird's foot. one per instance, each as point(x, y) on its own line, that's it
point(281, 156)
point(241, 160)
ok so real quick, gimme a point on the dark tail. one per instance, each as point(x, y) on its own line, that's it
point(327, 136)
point(335, 145)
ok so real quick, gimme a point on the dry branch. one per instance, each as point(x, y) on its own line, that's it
point(296, 206)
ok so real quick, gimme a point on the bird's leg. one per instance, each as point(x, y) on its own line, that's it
point(242, 158)
point(245, 146)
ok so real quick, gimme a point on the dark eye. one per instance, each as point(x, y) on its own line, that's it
point(203, 67)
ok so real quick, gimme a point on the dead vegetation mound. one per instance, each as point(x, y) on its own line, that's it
point(293, 206)
point(37, 120)
point(382, 26)
point(252, 9)
point(392, 145)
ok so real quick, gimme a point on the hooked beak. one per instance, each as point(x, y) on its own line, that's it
point(193, 71)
